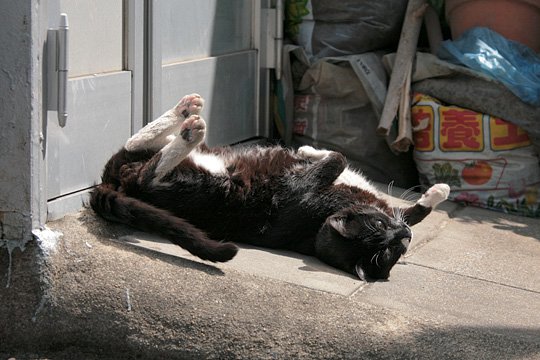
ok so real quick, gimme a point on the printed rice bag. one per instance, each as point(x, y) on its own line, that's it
point(488, 162)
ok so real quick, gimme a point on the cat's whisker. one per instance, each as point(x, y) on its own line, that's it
point(390, 187)
point(414, 197)
point(370, 227)
point(373, 257)
point(395, 212)
point(407, 195)
point(371, 239)
point(410, 194)
point(401, 215)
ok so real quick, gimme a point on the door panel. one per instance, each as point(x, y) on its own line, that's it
point(197, 29)
point(99, 99)
point(99, 123)
point(208, 47)
point(227, 84)
point(95, 35)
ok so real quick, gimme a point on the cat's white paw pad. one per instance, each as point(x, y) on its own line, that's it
point(308, 152)
point(190, 104)
point(193, 129)
point(435, 195)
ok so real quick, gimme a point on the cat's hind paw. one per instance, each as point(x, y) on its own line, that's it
point(191, 104)
point(310, 153)
point(435, 195)
point(193, 129)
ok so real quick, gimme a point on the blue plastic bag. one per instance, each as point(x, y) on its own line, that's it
point(513, 64)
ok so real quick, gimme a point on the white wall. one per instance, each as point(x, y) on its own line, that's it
point(21, 159)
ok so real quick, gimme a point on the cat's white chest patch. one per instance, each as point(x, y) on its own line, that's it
point(211, 162)
point(350, 177)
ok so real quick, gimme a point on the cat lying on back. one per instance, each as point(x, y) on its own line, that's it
point(167, 181)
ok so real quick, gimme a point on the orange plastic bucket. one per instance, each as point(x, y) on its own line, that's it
point(517, 20)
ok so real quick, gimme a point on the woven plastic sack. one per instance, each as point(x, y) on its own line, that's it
point(336, 28)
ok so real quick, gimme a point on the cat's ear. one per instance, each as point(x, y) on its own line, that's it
point(348, 222)
point(342, 225)
point(337, 222)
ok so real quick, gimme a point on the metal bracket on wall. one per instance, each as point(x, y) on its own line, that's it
point(57, 69)
point(272, 25)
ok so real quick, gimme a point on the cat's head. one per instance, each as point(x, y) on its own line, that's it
point(363, 240)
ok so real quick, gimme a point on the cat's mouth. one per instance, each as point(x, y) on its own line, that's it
point(382, 261)
point(406, 242)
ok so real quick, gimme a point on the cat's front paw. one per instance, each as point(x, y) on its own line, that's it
point(190, 105)
point(310, 153)
point(435, 195)
point(193, 129)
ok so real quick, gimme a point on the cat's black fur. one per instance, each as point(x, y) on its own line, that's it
point(268, 196)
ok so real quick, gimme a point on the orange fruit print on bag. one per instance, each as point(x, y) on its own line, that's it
point(477, 173)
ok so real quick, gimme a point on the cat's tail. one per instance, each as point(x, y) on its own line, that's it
point(115, 206)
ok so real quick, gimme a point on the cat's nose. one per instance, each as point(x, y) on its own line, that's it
point(405, 232)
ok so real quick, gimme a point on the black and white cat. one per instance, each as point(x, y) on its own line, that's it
point(167, 181)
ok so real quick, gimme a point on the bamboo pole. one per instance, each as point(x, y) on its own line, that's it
point(404, 60)
point(404, 139)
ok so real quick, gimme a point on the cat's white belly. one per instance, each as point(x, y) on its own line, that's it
point(210, 162)
point(216, 165)
point(348, 177)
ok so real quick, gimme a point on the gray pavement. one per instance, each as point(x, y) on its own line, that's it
point(469, 288)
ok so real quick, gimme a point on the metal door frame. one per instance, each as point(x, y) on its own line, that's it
point(134, 53)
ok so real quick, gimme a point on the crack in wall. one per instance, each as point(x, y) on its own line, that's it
point(2, 233)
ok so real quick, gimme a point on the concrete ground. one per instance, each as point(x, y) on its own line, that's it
point(469, 288)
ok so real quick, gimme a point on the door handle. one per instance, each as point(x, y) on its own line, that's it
point(279, 37)
point(58, 69)
point(272, 19)
point(63, 68)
